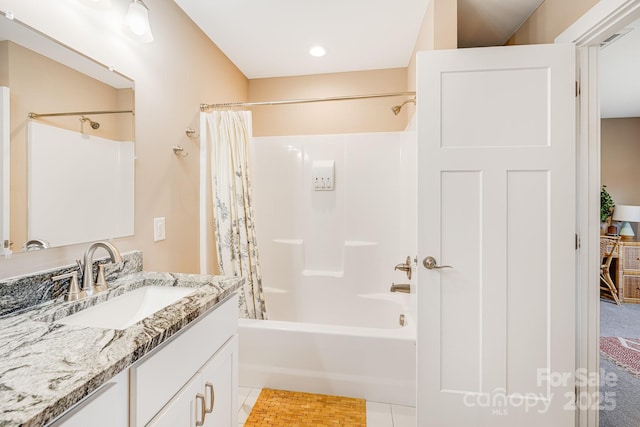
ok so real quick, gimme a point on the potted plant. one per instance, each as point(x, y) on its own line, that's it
point(606, 208)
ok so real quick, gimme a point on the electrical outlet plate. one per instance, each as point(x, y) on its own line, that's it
point(159, 229)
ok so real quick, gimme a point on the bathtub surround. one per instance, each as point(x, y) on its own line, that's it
point(323, 249)
point(21, 293)
point(228, 134)
point(328, 262)
point(47, 368)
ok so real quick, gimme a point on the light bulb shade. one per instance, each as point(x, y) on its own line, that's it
point(626, 213)
point(137, 20)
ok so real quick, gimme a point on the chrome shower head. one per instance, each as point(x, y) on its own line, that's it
point(396, 109)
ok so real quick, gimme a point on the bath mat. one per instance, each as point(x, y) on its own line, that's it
point(279, 408)
point(624, 352)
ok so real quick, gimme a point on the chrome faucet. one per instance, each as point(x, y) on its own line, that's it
point(404, 288)
point(87, 266)
point(405, 266)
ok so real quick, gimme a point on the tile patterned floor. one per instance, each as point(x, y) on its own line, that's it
point(378, 414)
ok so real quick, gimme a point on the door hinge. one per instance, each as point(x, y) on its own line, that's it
point(577, 242)
point(577, 89)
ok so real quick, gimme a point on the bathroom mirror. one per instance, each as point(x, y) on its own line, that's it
point(62, 177)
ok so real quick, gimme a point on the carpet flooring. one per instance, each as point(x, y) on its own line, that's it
point(278, 408)
point(621, 395)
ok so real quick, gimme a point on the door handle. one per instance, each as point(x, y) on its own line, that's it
point(203, 414)
point(209, 386)
point(430, 263)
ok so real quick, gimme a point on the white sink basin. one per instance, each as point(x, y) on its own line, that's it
point(125, 310)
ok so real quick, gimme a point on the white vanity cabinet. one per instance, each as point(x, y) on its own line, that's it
point(192, 379)
point(108, 406)
point(209, 398)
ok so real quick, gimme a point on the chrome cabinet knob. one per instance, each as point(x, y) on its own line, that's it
point(430, 263)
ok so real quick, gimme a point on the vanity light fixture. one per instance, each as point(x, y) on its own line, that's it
point(137, 19)
point(318, 51)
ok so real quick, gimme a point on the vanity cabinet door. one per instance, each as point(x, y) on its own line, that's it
point(185, 409)
point(210, 398)
point(220, 381)
point(106, 407)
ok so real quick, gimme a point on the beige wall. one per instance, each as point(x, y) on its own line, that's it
point(38, 84)
point(370, 115)
point(550, 20)
point(439, 30)
point(4, 63)
point(620, 157)
point(175, 73)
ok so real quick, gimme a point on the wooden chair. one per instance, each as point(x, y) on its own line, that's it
point(608, 247)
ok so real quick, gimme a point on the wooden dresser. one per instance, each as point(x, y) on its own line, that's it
point(628, 271)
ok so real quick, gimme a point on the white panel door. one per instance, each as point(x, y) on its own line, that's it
point(497, 203)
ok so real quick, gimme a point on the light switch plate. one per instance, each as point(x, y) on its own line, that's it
point(158, 229)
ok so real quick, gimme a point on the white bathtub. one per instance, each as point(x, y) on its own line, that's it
point(373, 363)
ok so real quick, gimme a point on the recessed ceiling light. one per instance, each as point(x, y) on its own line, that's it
point(318, 51)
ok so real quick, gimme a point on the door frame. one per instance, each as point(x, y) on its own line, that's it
point(5, 154)
point(604, 19)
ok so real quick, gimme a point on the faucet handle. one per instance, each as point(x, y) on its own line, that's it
point(74, 290)
point(101, 282)
point(405, 266)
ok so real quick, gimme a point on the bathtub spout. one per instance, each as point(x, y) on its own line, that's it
point(404, 288)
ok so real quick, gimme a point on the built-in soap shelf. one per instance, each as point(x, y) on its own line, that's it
point(349, 245)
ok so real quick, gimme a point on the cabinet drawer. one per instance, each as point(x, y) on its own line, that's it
point(631, 287)
point(159, 376)
point(631, 260)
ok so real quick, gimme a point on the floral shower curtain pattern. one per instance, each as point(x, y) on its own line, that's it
point(234, 230)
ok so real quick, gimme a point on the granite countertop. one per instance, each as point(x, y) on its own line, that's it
point(48, 367)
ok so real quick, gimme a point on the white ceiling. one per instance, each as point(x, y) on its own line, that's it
point(619, 76)
point(272, 38)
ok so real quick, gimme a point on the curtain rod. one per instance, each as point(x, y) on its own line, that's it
point(78, 113)
point(205, 107)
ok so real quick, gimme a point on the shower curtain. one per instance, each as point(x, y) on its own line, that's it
point(230, 132)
